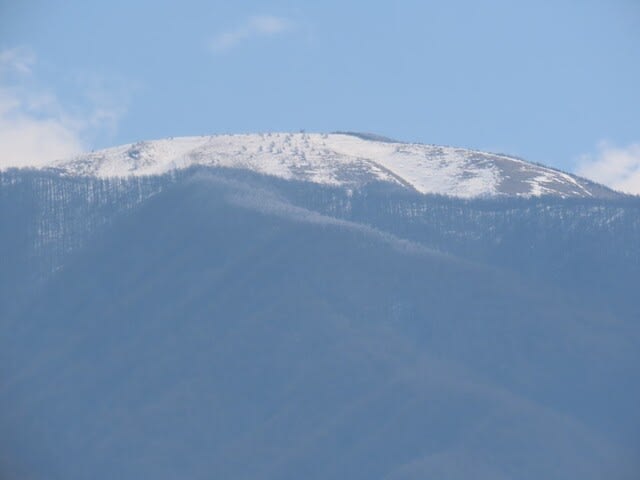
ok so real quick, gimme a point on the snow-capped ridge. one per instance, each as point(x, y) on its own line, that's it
point(340, 159)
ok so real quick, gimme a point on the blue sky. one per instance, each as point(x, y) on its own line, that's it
point(551, 81)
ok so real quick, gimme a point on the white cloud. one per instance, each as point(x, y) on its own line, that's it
point(616, 167)
point(18, 60)
point(258, 26)
point(27, 141)
point(35, 128)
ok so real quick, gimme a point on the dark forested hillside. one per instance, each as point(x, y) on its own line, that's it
point(220, 324)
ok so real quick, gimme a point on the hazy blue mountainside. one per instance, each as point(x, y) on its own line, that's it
point(215, 323)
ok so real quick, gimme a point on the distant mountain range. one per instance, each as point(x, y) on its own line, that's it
point(341, 159)
point(302, 306)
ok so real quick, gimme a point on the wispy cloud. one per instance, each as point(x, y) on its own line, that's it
point(35, 126)
point(254, 27)
point(617, 167)
point(18, 60)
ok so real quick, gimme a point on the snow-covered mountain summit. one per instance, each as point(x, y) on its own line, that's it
point(340, 159)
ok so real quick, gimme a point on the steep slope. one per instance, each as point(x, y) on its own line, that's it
point(349, 160)
point(219, 330)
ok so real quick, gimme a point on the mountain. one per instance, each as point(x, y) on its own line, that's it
point(222, 321)
point(349, 160)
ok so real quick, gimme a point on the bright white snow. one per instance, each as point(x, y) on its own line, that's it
point(333, 159)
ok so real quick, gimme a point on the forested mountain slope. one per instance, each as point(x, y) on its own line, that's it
point(215, 322)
